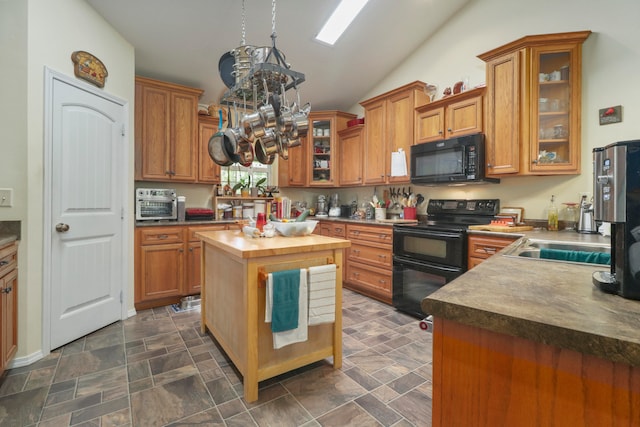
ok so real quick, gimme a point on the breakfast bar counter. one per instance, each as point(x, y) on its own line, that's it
point(234, 271)
point(530, 342)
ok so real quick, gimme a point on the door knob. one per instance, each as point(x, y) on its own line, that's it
point(62, 227)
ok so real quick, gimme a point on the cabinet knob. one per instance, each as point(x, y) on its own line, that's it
point(535, 161)
point(448, 129)
point(439, 132)
point(489, 165)
point(3, 263)
point(6, 290)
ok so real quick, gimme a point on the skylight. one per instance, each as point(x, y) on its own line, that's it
point(339, 20)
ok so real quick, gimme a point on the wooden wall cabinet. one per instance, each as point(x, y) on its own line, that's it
point(208, 170)
point(167, 263)
point(389, 126)
point(534, 105)
point(457, 115)
point(8, 303)
point(350, 149)
point(370, 261)
point(482, 247)
point(166, 131)
point(315, 163)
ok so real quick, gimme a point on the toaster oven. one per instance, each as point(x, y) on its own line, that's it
point(156, 204)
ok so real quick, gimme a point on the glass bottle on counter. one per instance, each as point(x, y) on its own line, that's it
point(552, 216)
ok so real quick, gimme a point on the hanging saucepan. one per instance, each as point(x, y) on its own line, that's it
point(225, 67)
point(216, 146)
point(268, 116)
point(252, 125)
point(231, 137)
point(300, 123)
point(269, 142)
point(285, 121)
point(261, 155)
point(283, 146)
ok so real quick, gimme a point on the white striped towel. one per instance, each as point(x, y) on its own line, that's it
point(322, 294)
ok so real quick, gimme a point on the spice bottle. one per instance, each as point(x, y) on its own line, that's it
point(552, 215)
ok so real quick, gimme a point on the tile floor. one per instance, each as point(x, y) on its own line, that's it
point(156, 369)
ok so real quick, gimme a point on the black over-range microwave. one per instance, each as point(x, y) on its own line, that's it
point(459, 160)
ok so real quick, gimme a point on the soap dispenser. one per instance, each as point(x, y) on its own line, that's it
point(552, 216)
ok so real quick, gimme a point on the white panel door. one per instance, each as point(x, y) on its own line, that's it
point(87, 145)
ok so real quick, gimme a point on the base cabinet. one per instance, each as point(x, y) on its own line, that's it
point(482, 247)
point(8, 303)
point(484, 378)
point(369, 264)
point(167, 264)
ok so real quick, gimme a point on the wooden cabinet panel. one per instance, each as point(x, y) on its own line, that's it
point(457, 115)
point(371, 281)
point(166, 134)
point(376, 256)
point(160, 235)
point(540, 385)
point(534, 105)
point(194, 246)
point(375, 234)
point(161, 270)
point(208, 170)
point(370, 261)
point(8, 303)
point(483, 247)
point(389, 126)
point(350, 148)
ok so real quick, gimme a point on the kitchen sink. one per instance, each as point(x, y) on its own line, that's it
point(558, 251)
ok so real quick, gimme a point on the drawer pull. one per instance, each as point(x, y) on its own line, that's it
point(7, 290)
point(163, 236)
point(3, 263)
point(490, 250)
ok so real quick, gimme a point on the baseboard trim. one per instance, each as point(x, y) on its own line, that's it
point(19, 362)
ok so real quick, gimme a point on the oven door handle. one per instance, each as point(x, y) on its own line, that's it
point(430, 233)
point(399, 261)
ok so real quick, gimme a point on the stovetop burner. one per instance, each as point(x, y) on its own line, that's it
point(459, 214)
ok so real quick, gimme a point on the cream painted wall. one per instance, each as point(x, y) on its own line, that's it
point(47, 33)
point(611, 58)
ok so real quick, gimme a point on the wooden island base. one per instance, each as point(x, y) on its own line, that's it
point(233, 301)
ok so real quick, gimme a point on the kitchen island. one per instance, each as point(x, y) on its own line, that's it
point(529, 343)
point(234, 271)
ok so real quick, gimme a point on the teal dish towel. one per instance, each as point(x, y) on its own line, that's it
point(286, 300)
point(576, 256)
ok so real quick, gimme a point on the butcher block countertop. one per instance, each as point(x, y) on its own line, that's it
point(237, 244)
point(553, 303)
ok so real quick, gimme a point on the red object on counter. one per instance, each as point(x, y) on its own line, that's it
point(261, 220)
point(354, 122)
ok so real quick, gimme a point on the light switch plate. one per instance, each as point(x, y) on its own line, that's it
point(6, 197)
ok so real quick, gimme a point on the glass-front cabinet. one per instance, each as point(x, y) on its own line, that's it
point(555, 134)
point(533, 102)
point(323, 146)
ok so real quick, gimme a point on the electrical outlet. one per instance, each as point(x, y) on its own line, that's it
point(6, 197)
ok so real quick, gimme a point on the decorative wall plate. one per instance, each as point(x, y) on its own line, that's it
point(89, 68)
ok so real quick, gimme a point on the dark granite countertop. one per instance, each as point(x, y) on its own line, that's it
point(554, 303)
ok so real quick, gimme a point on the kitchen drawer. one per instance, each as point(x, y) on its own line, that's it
point(376, 234)
point(332, 229)
point(193, 230)
point(373, 255)
point(8, 258)
point(484, 247)
point(161, 235)
point(371, 281)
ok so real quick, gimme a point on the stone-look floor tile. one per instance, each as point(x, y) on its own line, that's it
point(79, 364)
point(267, 394)
point(98, 411)
point(140, 385)
point(385, 393)
point(13, 383)
point(163, 341)
point(232, 408)
point(242, 420)
point(169, 362)
point(390, 373)
point(61, 421)
point(145, 355)
point(323, 389)
point(221, 390)
point(379, 410)
point(101, 381)
point(70, 406)
point(40, 377)
point(405, 423)
point(370, 361)
point(282, 412)
point(348, 415)
point(363, 378)
point(169, 402)
point(21, 409)
point(138, 370)
point(175, 374)
point(210, 418)
point(150, 328)
point(119, 418)
point(114, 337)
point(59, 397)
point(415, 407)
